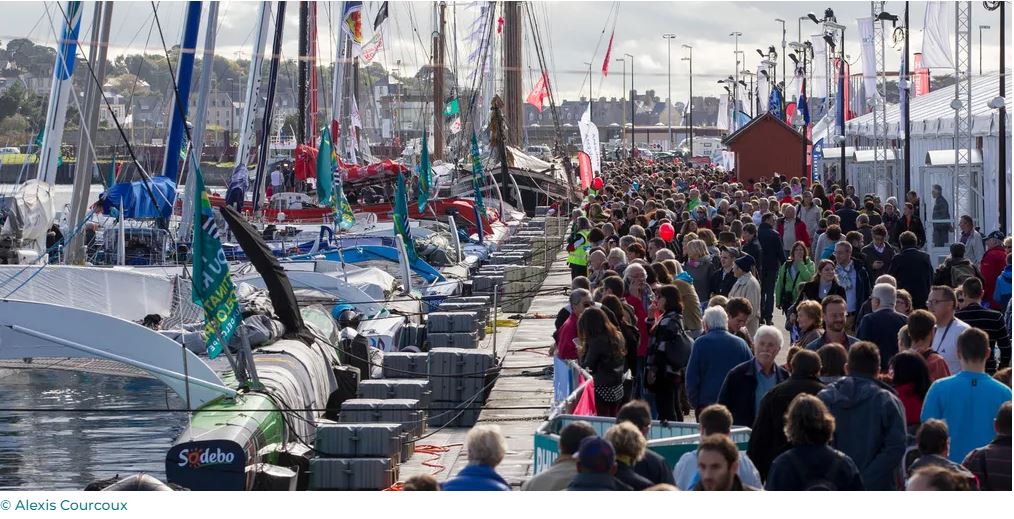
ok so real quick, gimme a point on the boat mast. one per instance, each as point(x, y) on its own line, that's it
point(512, 71)
point(97, 51)
point(56, 113)
point(200, 119)
point(184, 74)
point(437, 66)
point(253, 84)
point(311, 119)
point(265, 148)
point(304, 15)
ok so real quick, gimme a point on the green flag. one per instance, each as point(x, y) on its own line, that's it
point(401, 217)
point(477, 175)
point(424, 175)
point(452, 108)
point(325, 168)
point(37, 144)
point(343, 210)
point(212, 283)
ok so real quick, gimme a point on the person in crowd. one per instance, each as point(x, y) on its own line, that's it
point(878, 254)
point(943, 303)
point(971, 239)
point(1003, 376)
point(852, 277)
point(808, 323)
point(792, 230)
point(714, 420)
point(564, 348)
point(616, 259)
point(768, 264)
point(956, 268)
point(991, 463)
point(559, 475)
point(486, 448)
point(809, 213)
point(922, 328)
point(974, 314)
point(933, 442)
point(767, 438)
point(597, 267)
point(637, 293)
point(713, 356)
point(881, 326)
point(629, 445)
point(668, 347)
point(421, 482)
point(935, 478)
point(993, 263)
point(561, 316)
point(596, 467)
point(578, 245)
point(870, 418)
point(910, 378)
point(968, 400)
point(824, 284)
point(867, 307)
point(746, 384)
point(941, 217)
point(913, 271)
point(1002, 290)
point(724, 277)
point(823, 248)
point(904, 302)
point(751, 243)
point(652, 465)
point(833, 358)
point(700, 267)
point(848, 215)
point(834, 317)
point(797, 270)
point(811, 463)
point(748, 288)
point(909, 222)
point(604, 352)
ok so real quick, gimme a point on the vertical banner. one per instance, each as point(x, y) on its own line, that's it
point(590, 140)
point(868, 51)
point(938, 35)
point(723, 113)
point(920, 78)
point(819, 67)
point(817, 154)
point(584, 167)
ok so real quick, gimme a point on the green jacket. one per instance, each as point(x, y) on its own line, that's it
point(578, 249)
point(791, 287)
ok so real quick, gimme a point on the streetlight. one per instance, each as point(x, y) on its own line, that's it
point(690, 104)
point(669, 37)
point(783, 48)
point(623, 115)
point(905, 84)
point(632, 125)
point(981, 27)
point(999, 104)
point(735, 54)
point(751, 96)
point(831, 22)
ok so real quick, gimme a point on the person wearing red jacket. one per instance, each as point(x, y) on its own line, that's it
point(993, 263)
point(797, 229)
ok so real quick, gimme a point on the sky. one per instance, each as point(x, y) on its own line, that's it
point(573, 34)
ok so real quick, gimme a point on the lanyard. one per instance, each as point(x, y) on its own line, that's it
point(944, 336)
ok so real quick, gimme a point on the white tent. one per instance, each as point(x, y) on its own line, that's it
point(932, 128)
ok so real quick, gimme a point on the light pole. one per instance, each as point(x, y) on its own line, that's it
point(981, 27)
point(669, 37)
point(830, 22)
point(623, 114)
point(690, 103)
point(735, 97)
point(784, 78)
point(753, 100)
point(589, 91)
point(632, 125)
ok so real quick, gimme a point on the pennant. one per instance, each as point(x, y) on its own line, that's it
point(904, 83)
point(401, 217)
point(381, 16)
point(539, 93)
point(584, 168)
point(372, 47)
point(817, 154)
point(455, 126)
point(325, 168)
point(802, 103)
point(423, 192)
point(452, 108)
point(775, 101)
point(609, 52)
point(352, 21)
point(213, 289)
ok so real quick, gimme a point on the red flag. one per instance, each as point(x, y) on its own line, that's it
point(790, 112)
point(539, 93)
point(609, 51)
point(584, 166)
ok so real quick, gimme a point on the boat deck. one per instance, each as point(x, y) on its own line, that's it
point(519, 400)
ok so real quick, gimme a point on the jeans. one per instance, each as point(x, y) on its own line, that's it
point(768, 279)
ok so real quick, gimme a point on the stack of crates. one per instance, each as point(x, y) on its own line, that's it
point(401, 388)
point(403, 364)
point(453, 329)
point(460, 380)
point(357, 456)
point(478, 304)
point(404, 411)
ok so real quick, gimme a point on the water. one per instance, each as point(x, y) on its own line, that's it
point(57, 449)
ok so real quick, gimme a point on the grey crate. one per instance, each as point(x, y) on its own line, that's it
point(411, 335)
point(457, 361)
point(453, 340)
point(454, 414)
point(403, 411)
point(352, 473)
point(359, 440)
point(480, 308)
point(459, 389)
point(482, 300)
point(412, 388)
point(452, 322)
point(403, 364)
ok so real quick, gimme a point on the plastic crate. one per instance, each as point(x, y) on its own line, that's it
point(402, 411)
point(403, 364)
point(359, 440)
point(452, 322)
point(352, 473)
point(453, 340)
point(454, 414)
point(411, 388)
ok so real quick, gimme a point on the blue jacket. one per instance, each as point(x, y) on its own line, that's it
point(714, 355)
point(870, 428)
point(881, 328)
point(739, 390)
point(968, 402)
point(1002, 292)
point(476, 477)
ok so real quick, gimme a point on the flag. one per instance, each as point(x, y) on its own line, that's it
point(938, 35)
point(540, 92)
point(325, 168)
point(381, 16)
point(584, 168)
point(357, 121)
point(477, 184)
point(401, 217)
point(817, 153)
point(352, 21)
point(868, 53)
point(455, 126)
point(344, 217)
point(212, 283)
point(372, 47)
point(903, 92)
point(803, 104)
point(183, 147)
point(609, 52)
point(452, 108)
point(742, 118)
point(775, 101)
point(423, 193)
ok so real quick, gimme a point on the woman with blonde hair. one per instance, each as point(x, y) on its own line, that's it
point(700, 267)
point(808, 322)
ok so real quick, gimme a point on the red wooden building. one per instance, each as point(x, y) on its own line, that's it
point(766, 145)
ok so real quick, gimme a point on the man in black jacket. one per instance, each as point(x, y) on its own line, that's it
point(878, 254)
point(768, 264)
point(768, 440)
point(652, 466)
point(747, 383)
point(848, 215)
point(913, 270)
point(881, 326)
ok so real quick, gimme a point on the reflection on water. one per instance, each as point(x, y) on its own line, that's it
point(56, 449)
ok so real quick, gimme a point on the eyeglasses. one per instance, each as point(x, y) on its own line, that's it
point(930, 302)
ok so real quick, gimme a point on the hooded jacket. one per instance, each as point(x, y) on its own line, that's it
point(870, 428)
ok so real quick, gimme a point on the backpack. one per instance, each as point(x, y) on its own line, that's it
point(679, 346)
point(960, 272)
point(824, 481)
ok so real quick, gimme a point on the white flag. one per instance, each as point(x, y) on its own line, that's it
point(763, 89)
point(723, 112)
point(869, 55)
point(357, 122)
point(818, 84)
point(590, 139)
point(938, 35)
point(455, 125)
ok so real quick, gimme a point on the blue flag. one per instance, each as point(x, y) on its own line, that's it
point(401, 217)
point(802, 105)
point(775, 102)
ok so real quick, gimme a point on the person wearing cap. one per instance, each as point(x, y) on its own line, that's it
point(747, 287)
point(596, 467)
point(992, 265)
point(559, 475)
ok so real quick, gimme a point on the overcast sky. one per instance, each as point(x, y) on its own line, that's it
point(571, 31)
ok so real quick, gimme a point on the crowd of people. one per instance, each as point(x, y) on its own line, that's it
point(889, 372)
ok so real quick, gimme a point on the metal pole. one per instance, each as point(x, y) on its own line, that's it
point(690, 105)
point(1003, 119)
point(631, 103)
point(669, 37)
point(784, 77)
point(907, 113)
point(844, 109)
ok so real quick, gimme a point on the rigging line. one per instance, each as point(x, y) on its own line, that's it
point(485, 44)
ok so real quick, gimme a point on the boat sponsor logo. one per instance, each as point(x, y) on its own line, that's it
point(207, 465)
point(197, 458)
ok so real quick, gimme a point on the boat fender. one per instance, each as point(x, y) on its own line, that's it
point(273, 477)
point(134, 482)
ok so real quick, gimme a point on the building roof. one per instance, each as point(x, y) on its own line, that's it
point(756, 121)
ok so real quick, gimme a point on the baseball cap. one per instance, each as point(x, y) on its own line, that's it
point(596, 454)
point(996, 235)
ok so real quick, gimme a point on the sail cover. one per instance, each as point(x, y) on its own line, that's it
point(137, 201)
